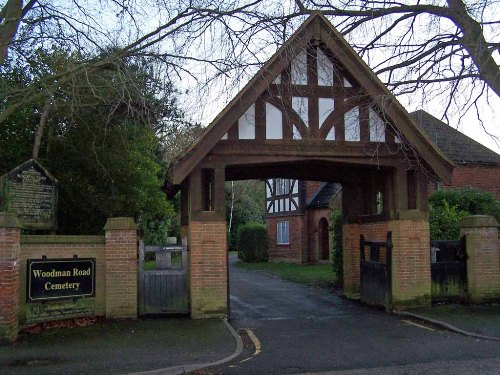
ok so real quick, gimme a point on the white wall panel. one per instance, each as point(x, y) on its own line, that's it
point(299, 69)
point(351, 125)
point(296, 133)
point(325, 69)
point(325, 107)
point(331, 134)
point(246, 124)
point(300, 104)
point(347, 83)
point(377, 127)
point(274, 124)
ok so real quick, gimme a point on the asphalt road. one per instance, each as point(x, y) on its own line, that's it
point(307, 330)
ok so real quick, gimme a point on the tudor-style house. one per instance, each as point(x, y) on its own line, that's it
point(298, 219)
point(298, 213)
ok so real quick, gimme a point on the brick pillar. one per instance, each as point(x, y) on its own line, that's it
point(411, 268)
point(483, 257)
point(208, 269)
point(10, 250)
point(121, 268)
point(350, 255)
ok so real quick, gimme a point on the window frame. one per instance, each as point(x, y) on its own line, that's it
point(282, 186)
point(280, 240)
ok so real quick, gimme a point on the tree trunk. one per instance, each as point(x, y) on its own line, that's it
point(474, 42)
point(231, 209)
point(41, 126)
point(10, 18)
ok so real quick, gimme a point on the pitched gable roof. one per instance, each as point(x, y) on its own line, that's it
point(460, 148)
point(323, 195)
point(315, 27)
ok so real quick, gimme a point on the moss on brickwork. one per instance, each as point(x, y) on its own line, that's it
point(47, 239)
point(208, 302)
point(120, 223)
point(422, 300)
point(479, 221)
point(9, 220)
point(352, 292)
point(8, 334)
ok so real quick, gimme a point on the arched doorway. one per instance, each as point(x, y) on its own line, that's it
point(323, 239)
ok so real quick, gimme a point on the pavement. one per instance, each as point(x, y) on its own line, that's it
point(146, 346)
point(481, 321)
point(283, 328)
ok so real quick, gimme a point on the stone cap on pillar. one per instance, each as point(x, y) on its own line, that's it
point(120, 223)
point(479, 221)
point(9, 220)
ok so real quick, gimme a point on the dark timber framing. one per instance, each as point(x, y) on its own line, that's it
point(314, 28)
point(281, 138)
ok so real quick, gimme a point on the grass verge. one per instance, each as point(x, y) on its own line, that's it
point(318, 275)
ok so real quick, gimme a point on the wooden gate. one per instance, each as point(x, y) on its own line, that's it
point(163, 280)
point(448, 270)
point(376, 272)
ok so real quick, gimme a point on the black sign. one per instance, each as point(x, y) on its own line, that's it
point(52, 279)
point(32, 195)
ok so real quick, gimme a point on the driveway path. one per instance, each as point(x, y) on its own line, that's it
point(304, 329)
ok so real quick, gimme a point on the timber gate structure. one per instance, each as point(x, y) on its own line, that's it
point(315, 111)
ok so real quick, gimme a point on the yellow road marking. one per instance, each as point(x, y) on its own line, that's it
point(255, 341)
point(419, 325)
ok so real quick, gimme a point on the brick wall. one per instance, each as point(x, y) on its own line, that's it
point(121, 268)
point(9, 277)
point(375, 232)
point(35, 247)
point(296, 250)
point(116, 268)
point(411, 270)
point(208, 268)
point(484, 178)
point(483, 257)
point(350, 254)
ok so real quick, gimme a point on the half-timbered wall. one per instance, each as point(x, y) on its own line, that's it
point(314, 111)
point(283, 196)
point(312, 98)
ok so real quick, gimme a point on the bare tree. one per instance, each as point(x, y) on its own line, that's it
point(427, 48)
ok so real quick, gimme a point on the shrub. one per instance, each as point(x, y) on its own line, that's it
point(448, 207)
point(338, 265)
point(444, 221)
point(473, 201)
point(252, 243)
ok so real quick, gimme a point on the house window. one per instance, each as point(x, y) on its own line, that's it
point(380, 202)
point(283, 233)
point(282, 186)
